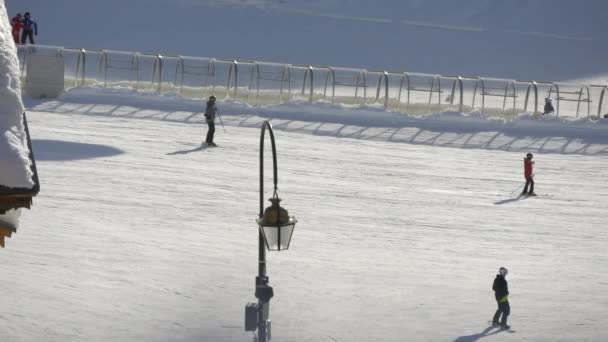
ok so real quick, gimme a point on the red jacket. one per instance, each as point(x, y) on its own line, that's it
point(16, 24)
point(528, 167)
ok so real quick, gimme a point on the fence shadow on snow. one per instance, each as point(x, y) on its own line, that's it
point(554, 138)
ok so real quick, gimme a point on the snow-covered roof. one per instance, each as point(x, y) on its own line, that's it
point(17, 185)
point(15, 170)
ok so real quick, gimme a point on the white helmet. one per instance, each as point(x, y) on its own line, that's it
point(548, 100)
point(503, 271)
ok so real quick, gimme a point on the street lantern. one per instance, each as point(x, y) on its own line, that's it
point(276, 226)
point(274, 233)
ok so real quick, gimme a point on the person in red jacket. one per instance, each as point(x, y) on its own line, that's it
point(528, 163)
point(16, 27)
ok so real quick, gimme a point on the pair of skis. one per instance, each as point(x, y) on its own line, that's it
point(507, 328)
point(205, 145)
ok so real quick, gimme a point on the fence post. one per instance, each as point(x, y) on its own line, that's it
point(236, 78)
point(159, 58)
point(83, 53)
point(533, 85)
point(599, 107)
point(384, 77)
point(311, 87)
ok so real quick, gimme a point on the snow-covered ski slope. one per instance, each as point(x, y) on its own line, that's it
point(137, 235)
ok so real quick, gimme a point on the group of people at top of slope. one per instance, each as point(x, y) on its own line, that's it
point(26, 27)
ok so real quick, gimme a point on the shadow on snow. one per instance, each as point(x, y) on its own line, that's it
point(57, 150)
point(476, 337)
point(529, 135)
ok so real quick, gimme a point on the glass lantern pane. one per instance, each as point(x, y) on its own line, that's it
point(271, 235)
point(286, 232)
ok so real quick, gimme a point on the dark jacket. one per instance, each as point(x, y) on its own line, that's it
point(29, 25)
point(210, 111)
point(548, 108)
point(500, 287)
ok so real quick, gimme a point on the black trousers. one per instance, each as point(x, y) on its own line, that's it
point(210, 131)
point(529, 182)
point(25, 34)
point(504, 309)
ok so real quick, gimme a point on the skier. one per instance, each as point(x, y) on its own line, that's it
point(16, 27)
point(210, 113)
point(548, 106)
point(501, 293)
point(30, 28)
point(528, 175)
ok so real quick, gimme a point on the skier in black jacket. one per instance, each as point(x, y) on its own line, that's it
point(501, 293)
point(210, 113)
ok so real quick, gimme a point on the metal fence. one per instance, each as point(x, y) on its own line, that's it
point(264, 83)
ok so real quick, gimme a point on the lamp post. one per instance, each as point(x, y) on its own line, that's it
point(275, 230)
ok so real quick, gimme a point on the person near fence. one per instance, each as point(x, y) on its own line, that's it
point(529, 175)
point(210, 113)
point(501, 293)
point(548, 106)
point(16, 28)
point(30, 28)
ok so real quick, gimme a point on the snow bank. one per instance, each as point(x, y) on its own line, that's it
point(172, 108)
point(14, 160)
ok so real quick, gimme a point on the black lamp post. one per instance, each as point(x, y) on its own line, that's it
point(275, 230)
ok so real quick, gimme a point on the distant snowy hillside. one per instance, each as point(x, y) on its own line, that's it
point(525, 39)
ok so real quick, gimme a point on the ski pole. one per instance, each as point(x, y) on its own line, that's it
point(222, 122)
point(516, 190)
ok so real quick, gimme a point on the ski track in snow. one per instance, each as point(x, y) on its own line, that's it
point(139, 236)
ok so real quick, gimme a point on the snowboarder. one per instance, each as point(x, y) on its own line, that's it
point(548, 106)
point(16, 28)
point(501, 293)
point(210, 113)
point(528, 175)
point(30, 28)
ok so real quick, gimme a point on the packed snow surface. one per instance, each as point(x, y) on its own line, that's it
point(140, 235)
